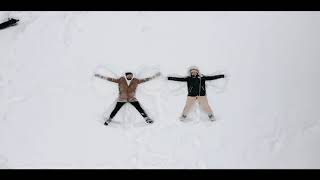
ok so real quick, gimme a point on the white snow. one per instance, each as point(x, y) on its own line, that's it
point(51, 105)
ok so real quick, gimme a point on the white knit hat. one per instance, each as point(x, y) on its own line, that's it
point(193, 68)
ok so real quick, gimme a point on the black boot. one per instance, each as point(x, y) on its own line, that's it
point(183, 117)
point(148, 120)
point(211, 117)
point(107, 121)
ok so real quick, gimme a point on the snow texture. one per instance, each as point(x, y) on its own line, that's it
point(52, 107)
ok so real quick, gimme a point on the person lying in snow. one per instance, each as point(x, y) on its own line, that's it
point(196, 83)
point(127, 90)
point(10, 22)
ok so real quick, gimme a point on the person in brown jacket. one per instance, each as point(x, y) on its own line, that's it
point(127, 90)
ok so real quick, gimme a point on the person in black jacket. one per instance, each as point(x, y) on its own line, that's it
point(196, 83)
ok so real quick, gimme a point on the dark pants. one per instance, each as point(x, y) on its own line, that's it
point(136, 104)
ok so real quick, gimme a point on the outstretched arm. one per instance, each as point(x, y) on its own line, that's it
point(213, 77)
point(149, 78)
point(107, 78)
point(177, 79)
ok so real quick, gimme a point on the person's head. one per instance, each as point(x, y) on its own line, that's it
point(129, 75)
point(194, 71)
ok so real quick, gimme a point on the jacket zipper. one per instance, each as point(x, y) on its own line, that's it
point(199, 86)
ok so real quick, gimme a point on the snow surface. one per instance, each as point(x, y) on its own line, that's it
point(51, 106)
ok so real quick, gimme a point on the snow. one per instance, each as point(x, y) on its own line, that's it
point(51, 105)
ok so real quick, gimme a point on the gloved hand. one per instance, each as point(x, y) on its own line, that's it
point(98, 75)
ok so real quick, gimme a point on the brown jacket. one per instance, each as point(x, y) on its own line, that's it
point(127, 93)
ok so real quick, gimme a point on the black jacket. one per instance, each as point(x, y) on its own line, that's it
point(196, 85)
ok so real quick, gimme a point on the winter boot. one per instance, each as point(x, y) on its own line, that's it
point(211, 117)
point(107, 121)
point(183, 117)
point(148, 120)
